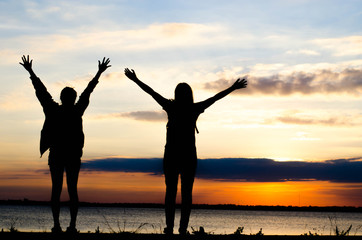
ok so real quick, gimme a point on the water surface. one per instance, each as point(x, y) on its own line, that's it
point(151, 220)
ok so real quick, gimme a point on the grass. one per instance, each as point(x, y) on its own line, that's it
point(124, 227)
point(12, 227)
point(338, 231)
point(239, 231)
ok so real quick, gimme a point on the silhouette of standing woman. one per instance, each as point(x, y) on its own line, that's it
point(180, 156)
point(63, 135)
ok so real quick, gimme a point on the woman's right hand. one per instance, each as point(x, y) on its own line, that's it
point(130, 74)
point(240, 83)
point(27, 64)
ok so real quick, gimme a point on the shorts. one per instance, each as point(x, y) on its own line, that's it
point(180, 161)
point(64, 159)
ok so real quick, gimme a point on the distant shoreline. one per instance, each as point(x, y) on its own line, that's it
point(26, 202)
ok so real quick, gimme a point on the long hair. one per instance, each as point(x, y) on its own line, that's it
point(68, 96)
point(183, 94)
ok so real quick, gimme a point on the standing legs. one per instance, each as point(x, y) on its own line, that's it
point(171, 180)
point(177, 163)
point(56, 173)
point(187, 182)
point(72, 182)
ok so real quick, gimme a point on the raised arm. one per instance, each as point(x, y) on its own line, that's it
point(102, 66)
point(41, 92)
point(132, 75)
point(27, 64)
point(240, 83)
point(84, 97)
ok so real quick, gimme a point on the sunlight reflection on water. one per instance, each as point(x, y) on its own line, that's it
point(151, 220)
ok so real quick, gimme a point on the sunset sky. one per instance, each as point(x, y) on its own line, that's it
point(293, 137)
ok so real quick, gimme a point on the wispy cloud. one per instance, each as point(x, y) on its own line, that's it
point(348, 81)
point(304, 136)
point(151, 116)
point(81, 82)
point(304, 52)
point(332, 121)
point(18, 100)
point(146, 115)
point(244, 169)
point(151, 37)
point(63, 10)
point(302, 118)
point(344, 46)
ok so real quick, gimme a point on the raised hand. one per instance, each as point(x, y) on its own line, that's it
point(130, 74)
point(104, 65)
point(240, 83)
point(27, 64)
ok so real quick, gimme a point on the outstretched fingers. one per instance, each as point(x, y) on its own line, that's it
point(127, 71)
point(104, 64)
point(241, 83)
point(27, 63)
point(105, 61)
point(130, 73)
point(244, 83)
point(23, 58)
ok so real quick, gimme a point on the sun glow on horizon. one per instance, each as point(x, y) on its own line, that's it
point(121, 187)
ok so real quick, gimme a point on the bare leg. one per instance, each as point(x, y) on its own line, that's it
point(72, 182)
point(187, 182)
point(171, 180)
point(56, 173)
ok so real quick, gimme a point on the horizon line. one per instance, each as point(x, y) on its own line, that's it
point(222, 206)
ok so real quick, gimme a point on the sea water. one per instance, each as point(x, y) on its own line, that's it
point(152, 220)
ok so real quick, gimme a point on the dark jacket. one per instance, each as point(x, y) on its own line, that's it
point(63, 128)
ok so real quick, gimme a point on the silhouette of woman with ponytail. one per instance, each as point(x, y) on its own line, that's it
point(63, 135)
point(180, 156)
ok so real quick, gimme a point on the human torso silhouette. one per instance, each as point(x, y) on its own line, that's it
point(180, 150)
point(181, 124)
point(62, 131)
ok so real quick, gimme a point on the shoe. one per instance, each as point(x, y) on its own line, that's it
point(168, 231)
point(182, 232)
point(71, 230)
point(57, 229)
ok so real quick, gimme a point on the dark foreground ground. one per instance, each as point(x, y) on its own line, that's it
point(127, 236)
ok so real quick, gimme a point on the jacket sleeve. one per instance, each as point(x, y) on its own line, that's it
point(42, 93)
point(83, 101)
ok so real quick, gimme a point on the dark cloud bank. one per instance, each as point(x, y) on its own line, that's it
point(244, 169)
point(348, 81)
